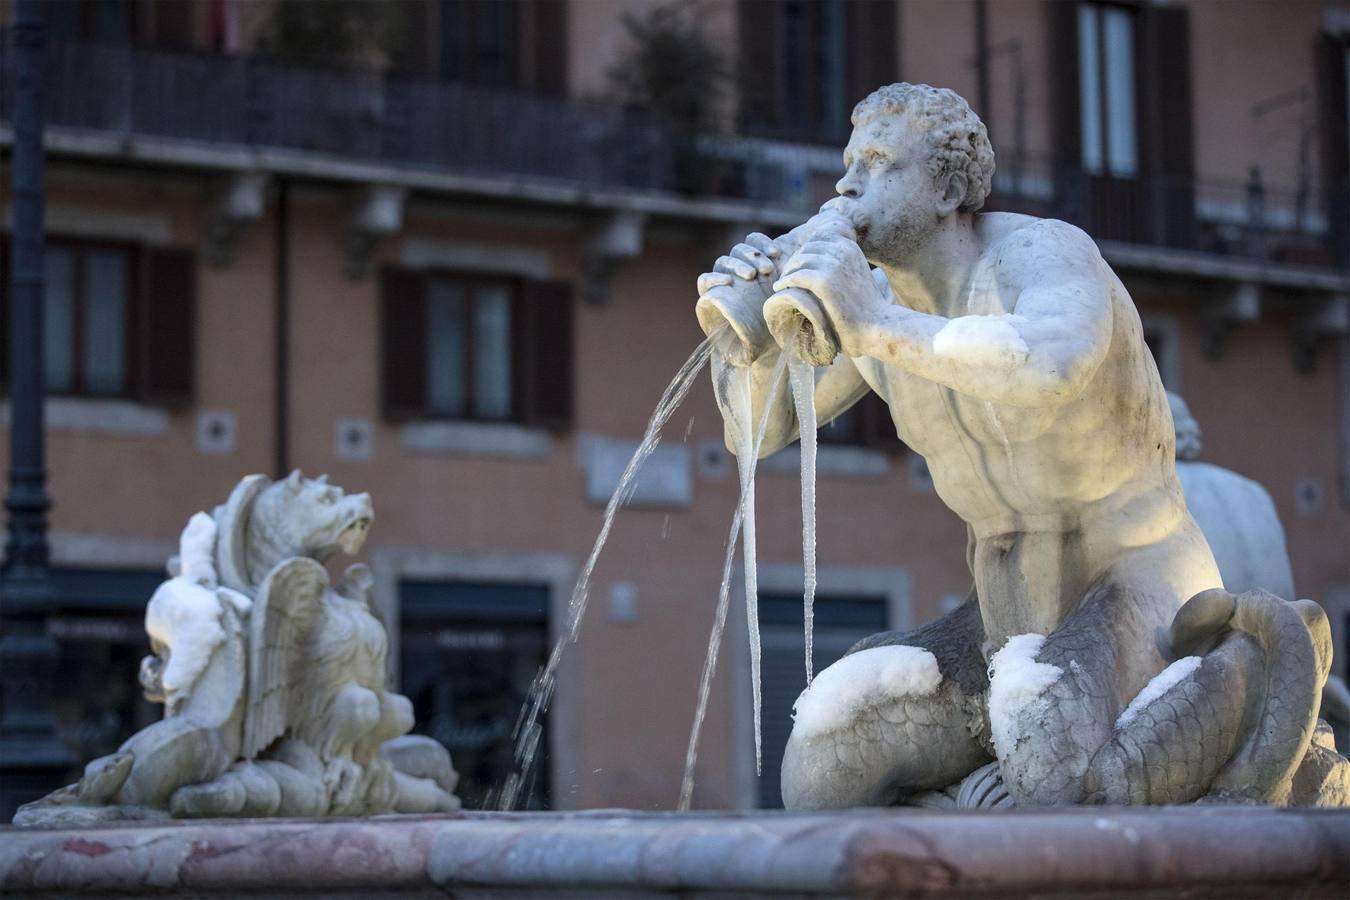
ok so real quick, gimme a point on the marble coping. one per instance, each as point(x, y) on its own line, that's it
point(1205, 851)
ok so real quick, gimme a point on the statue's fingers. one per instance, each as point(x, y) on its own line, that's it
point(709, 280)
point(806, 279)
point(834, 249)
point(804, 260)
point(721, 296)
point(764, 244)
point(836, 226)
point(748, 254)
point(734, 266)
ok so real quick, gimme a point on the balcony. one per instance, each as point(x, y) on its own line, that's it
point(216, 110)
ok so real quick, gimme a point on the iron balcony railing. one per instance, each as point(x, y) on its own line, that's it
point(249, 101)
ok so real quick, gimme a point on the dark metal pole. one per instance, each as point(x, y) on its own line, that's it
point(32, 759)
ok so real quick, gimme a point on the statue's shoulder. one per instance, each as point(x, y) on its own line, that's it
point(1025, 246)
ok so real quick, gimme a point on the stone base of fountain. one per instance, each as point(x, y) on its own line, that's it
point(1195, 851)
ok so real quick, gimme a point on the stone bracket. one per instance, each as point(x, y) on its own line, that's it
point(376, 214)
point(613, 240)
point(1322, 323)
point(240, 201)
point(1221, 317)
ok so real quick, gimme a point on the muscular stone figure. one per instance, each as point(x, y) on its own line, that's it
point(1013, 360)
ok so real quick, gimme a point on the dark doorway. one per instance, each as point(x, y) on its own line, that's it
point(470, 651)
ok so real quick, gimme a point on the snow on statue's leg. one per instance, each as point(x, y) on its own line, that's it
point(878, 726)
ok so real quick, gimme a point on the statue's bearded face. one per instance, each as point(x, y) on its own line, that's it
point(888, 190)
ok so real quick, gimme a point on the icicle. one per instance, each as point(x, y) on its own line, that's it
point(802, 376)
point(732, 387)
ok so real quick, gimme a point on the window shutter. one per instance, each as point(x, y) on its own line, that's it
point(550, 46)
point(1167, 138)
point(166, 318)
point(759, 56)
point(1335, 131)
point(546, 354)
point(1070, 183)
point(870, 57)
point(403, 353)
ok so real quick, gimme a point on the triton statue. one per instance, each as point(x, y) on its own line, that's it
point(1013, 361)
point(272, 680)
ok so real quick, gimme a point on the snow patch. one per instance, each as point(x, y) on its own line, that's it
point(1016, 681)
point(197, 550)
point(1161, 684)
point(184, 617)
point(982, 341)
point(861, 680)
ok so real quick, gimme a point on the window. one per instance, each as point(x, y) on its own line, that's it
point(470, 652)
point(804, 63)
point(88, 319)
point(476, 348)
point(867, 423)
point(118, 320)
point(488, 43)
point(469, 349)
point(1106, 86)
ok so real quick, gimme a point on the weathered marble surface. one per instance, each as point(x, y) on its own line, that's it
point(1193, 852)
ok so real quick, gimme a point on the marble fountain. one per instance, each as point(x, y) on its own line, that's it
point(1115, 710)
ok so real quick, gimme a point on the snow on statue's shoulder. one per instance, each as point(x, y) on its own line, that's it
point(862, 681)
point(982, 341)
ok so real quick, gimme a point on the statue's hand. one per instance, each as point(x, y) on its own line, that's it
point(733, 294)
point(833, 269)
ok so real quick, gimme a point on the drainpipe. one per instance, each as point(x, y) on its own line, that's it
point(282, 253)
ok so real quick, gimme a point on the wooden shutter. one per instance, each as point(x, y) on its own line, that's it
point(759, 64)
point(1335, 132)
point(403, 343)
point(547, 52)
point(1165, 122)
point(1070, 183)
point(164, 357)
point(545, 342)
point(870, 56)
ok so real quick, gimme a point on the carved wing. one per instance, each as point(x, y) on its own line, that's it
point(288, 606)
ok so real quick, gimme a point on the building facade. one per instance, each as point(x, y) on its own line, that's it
point(451, 268)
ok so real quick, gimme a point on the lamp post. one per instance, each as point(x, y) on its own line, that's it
point(32, 758)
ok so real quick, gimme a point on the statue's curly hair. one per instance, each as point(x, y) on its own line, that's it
point(957, 139)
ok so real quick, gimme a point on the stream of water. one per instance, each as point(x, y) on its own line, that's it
point(733, 390)
point(529, 731)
